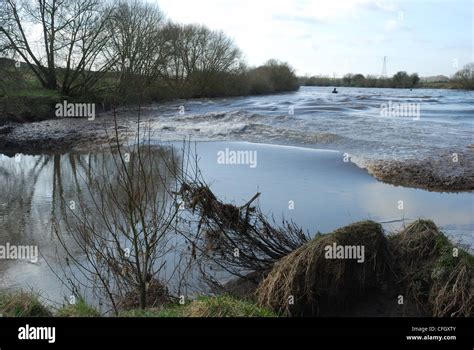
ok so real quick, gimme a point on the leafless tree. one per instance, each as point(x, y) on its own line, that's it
point(197, 55)
point(121, 226)
point(136, 47)
point(72, 38)
point(465, 76)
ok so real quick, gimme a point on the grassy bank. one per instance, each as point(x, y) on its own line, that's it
point(22, 99)
point(29, 305)
point(418, 265)
point(414, 272)
point(28, 105)
point(219, 306)
point(22, 304)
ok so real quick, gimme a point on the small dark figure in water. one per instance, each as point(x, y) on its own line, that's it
point(335, 91)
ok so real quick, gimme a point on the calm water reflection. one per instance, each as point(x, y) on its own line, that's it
point(327, 193)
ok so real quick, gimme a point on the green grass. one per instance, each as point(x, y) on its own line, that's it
point(28, 105)
point(226, 306)
point(22, 304)
point(176, 311)
point(80, 309)
point(220, 306)
point(447, 260)
point(35, 93)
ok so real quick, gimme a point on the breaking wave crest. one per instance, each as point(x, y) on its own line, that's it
point(350, 122)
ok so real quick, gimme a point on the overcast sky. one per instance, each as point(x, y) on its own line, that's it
point(338, 36)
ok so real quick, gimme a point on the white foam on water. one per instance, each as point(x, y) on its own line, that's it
point(350, 122)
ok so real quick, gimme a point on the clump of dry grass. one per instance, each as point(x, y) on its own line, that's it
point(453, 296)
point(317, 284)
point(22, 304)
point(417, 242)
point(225, 306)
point(439, 281)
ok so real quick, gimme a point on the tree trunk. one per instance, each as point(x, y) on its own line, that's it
point(143, 295)
point(51, 81)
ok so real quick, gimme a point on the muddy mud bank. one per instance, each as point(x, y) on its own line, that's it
point(63, 135)
point(449, 172)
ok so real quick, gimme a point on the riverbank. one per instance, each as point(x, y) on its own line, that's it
point(22, 304)
point(64, 135)
point(411, 273)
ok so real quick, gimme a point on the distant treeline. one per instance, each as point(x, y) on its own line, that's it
point(124, 51)
point(399, 80)
point(463, 79)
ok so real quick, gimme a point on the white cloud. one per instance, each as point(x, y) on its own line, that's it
point(312, 35)
point(224, 11)
point(391, 25)
point(269, 28)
